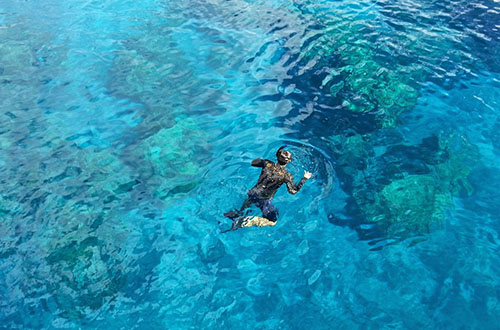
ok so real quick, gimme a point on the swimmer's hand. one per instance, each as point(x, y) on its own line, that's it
point(307, 175)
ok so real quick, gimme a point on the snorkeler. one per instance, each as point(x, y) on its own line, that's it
point(272, 176)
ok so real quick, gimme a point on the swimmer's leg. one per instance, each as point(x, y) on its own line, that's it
point(269, 211)
point(236, 213)
point(238, 222)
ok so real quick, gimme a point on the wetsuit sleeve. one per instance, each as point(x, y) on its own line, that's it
point(259, 162)
point(292, 188)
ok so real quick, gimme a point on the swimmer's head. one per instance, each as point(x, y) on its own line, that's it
point(284, 156)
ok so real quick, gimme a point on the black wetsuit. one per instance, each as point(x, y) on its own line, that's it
point(271, 178)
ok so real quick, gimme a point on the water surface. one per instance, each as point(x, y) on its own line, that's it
point(127, 129)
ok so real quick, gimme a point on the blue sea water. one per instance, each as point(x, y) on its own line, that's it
point(127, 129)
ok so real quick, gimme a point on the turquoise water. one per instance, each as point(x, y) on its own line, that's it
point(127, 129)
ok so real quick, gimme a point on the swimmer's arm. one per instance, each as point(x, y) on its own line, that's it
point(259, 162)
point(292, 188)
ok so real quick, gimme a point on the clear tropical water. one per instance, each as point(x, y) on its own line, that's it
point(127, 129)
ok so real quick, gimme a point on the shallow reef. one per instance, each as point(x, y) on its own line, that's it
point(353, 65)
point(173, 147)
point(405, 190)
point(346, 57)
point(362, 79)
point(87, 275)
point(412, 204)
point(175, 168)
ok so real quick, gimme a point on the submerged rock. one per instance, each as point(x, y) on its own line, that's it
point(399, 191)
point(167, 152)
point(412, 203)
point(85, 274)
point(353, 75)
point(211, 249)
point(372, 87)
point(171, 156)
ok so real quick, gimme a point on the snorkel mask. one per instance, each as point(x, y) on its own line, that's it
point(284, 157)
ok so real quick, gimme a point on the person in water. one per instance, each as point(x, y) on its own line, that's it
point(272, 176)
